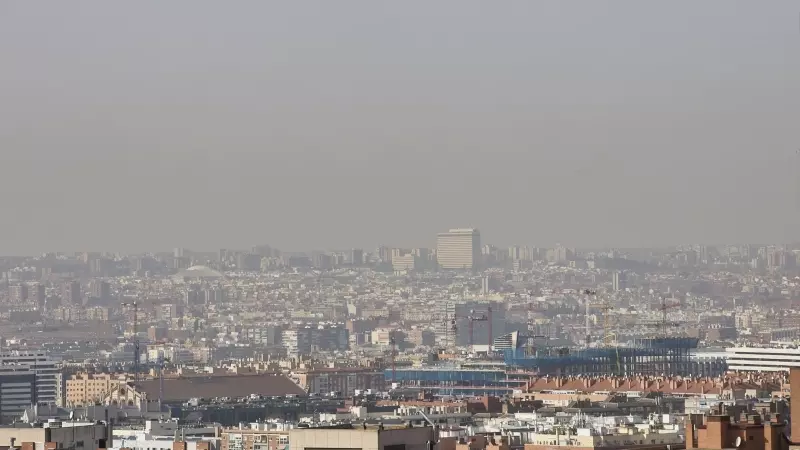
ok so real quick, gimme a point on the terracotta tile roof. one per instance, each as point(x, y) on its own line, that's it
point(647, 384)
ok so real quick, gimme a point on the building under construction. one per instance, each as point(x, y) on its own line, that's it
point(649, 356)
point(529, 356)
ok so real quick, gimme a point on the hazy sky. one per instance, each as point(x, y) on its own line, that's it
point(147, 125)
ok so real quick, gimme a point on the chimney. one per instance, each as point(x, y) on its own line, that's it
point(690, 433)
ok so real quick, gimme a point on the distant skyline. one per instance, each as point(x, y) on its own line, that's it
point(152, 125)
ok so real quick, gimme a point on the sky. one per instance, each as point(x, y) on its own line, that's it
point(148, 125)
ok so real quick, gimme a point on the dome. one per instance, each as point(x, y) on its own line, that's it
point(199, 272)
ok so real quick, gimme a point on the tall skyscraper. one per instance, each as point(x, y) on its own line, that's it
point(618, 281)
point(38, 294)
point(71, 293)
point(459, 248)
point(357, 257)
point(101, 290)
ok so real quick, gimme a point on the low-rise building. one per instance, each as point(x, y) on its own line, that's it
point(55, 435)
point(260, 436)
point(342, 380)
point(361, 438)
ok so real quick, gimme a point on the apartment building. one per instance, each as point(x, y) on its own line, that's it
point(88, 389)
point(259, 437)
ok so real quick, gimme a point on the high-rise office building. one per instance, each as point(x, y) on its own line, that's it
point(452, 323)
point(357, 257)
point(17, 391)
point(459, 248)
point(71, 294)
point(618, 281)
point(38, 294)
point(46, 369)
point(101, 290)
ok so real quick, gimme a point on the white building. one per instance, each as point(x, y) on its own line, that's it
point(459, 248)
point(47, 369)
point(757, 359)
point(160, 434)
point(404, 262)
point(173, 353)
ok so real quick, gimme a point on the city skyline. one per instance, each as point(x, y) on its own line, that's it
point(450, 225)
point(389, 246)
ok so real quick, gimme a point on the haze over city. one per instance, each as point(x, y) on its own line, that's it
point(408, 225)
point(148, 125)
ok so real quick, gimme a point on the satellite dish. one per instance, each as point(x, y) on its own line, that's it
point(738, 441)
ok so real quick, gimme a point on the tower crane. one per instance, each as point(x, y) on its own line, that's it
point(605, 307)
point(664, 308)
point(618, 358)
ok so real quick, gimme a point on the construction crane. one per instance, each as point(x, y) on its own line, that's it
point(605, 307)
point(136, 345)
point(619, 359)
point(664, 308)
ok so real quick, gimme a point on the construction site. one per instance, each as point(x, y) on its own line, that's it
point(648, 356)
point(514, 357)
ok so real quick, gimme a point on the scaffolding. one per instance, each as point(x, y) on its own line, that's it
point(651, 356)
point(458, 381)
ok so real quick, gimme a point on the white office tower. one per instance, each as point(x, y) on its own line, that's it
point(46, 369)
point(459, 249)
point(760, 359)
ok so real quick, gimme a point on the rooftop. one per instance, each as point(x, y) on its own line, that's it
point(233, 386)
